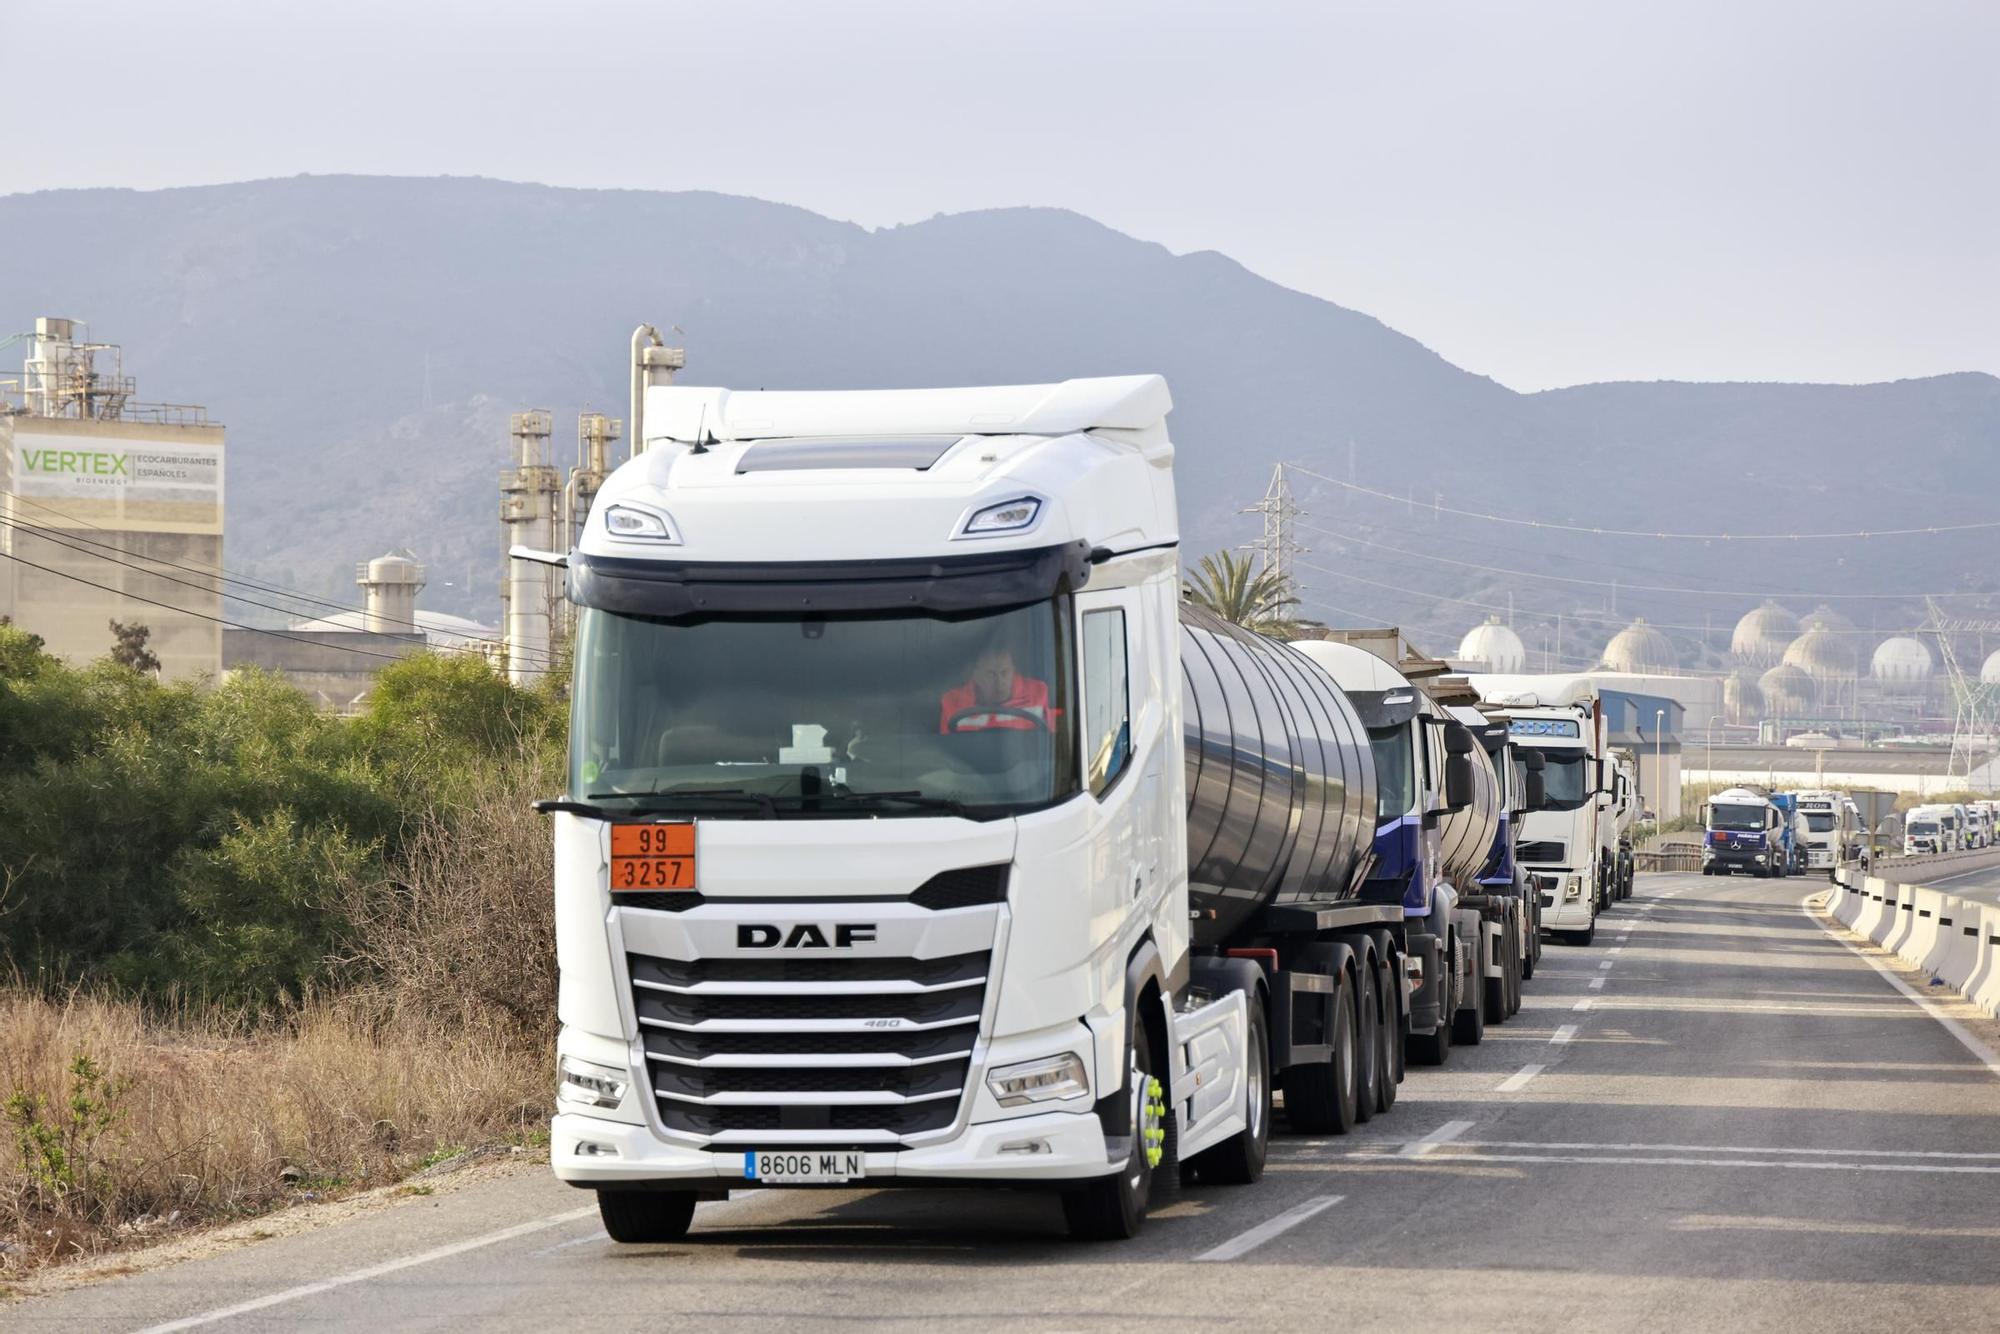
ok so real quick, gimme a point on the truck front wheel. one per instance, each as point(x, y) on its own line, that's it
point(1239, 1160)
point(1113, 1208)
point(641, 1216)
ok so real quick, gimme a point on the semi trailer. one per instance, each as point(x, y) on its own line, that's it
point(1500, 889)
point(918, 831)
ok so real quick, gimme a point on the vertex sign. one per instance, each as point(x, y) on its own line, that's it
point(123, 472)
point(75, 462)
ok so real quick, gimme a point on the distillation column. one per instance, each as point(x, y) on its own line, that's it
point(530, 503)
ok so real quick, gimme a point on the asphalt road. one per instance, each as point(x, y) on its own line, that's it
point(1717, 1116)
point(1982, 884)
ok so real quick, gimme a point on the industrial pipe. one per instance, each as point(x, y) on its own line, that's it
point(641, 336)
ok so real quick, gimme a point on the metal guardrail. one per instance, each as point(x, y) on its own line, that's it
point(1674, 857)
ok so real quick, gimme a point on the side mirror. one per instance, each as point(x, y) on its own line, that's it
point(1537, 789)
point(1458, 738)
point(1457, 782)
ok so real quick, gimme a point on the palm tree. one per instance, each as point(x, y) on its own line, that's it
point(1231, 586)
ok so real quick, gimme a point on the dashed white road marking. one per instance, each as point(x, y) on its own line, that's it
point(1517, 1081)
point(372, 1271)
point(1597, 984)
point(1616, 949)
point(1563, 1034)
point(1796, 1165)
point(1444, 1134)
point(1583, 1004)
point(1606, 964)
point(1942, 1154)
point(1244, 1243)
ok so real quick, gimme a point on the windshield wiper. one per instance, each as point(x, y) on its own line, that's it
point(661, 803)
point(920, 800)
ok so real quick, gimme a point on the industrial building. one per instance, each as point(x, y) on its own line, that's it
point(110, 508)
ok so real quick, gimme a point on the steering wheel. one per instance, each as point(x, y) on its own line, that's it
point(991, 710)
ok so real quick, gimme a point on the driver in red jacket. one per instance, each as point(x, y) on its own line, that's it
point(995, 684)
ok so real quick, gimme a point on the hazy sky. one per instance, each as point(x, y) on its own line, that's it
point(1546, 192)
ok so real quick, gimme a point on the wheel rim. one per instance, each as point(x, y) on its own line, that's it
point(1257, 1059)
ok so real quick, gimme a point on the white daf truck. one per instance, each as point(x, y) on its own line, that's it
point(919, 833)
point(1569, 844)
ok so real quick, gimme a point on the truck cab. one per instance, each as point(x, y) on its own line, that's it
point(1568, 845)
point(1742, 830)
point(1829, 834)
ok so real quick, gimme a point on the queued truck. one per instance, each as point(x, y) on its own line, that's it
point(1832, 834)
point(1568, 843)
point(919, 832)
point(1744, 829)
point(1429, 844)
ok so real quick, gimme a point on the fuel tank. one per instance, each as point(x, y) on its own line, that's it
point(1280, 780)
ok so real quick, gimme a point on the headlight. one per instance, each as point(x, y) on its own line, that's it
point(1009, 516)
point(588, 1085)
point(1039, 1081)
point(1573, 887)
point(643, 525)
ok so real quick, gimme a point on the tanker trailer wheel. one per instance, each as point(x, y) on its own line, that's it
point(1367, 1046)
point(1434, 1047)
point(641, 1216)
point(1498, 992)
point(1320, 1098)
point(1114, 1208)
point(1468, 1026)
point(1239, 1160)
point(1389, 1042)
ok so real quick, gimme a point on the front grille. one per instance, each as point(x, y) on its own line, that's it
point(1546, 851)
point(732, 1051)
point(967, 887)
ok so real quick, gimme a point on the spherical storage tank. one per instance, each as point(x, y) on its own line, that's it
point(1902, 661)
point(1742, 697)
point(1280, 780)
point(1495, 647)
point(1788, 691)
point(1990, 673)
point(1762, 635)
point(1823, 653)
point(1642, 650)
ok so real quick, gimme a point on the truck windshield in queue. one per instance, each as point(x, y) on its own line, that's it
point(1923, 827)
point(1565, 779)
point(887, 714)
point(1819, 822)
point(1395, 780)
point(1740, 818)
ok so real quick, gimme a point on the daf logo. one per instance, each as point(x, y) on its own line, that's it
point(804, 936)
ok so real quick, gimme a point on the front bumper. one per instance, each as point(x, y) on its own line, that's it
point(1069, 1146)
point(1560, 912)
point(1758, 859)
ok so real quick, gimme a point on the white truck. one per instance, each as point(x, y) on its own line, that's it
point(1570, 844)
point(1832, 835)
point(919, 833)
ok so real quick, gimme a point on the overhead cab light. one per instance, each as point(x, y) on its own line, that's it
point(632, 524)
point(1009, 516)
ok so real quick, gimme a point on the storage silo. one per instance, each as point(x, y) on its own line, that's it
point(1642, 651)
point(1761, 637)
point(1493, 647)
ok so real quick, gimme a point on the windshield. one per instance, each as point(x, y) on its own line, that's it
point(1924, 827)
point(1565, 779)
point(807, 716)
point(1395, 783)
point(1738, 817)
point(1819, 822)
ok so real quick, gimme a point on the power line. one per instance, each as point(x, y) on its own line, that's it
point(1438, 507)
point(218, 573)
point(188, 611)
point(1620, 584)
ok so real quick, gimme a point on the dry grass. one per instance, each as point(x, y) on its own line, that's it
point(192, 1119)
point(119, 1122)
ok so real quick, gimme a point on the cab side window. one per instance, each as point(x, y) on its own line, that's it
point(1107, 709)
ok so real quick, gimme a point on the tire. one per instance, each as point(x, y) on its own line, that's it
point(1113, 1208)
point(1511, 970)
point(1468, 1026)
point(1367, 1041)
point(1533, 955)
point(1239, 1160)
point(640, 1217)
point(1388, 1040)
point(1434, 1048)
point(1319, 1099)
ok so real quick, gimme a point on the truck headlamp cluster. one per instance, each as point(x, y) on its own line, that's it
point(633, 524)
point(1573, 887)
point(1009, 516)
point(1039, 1081)
point(584, 1084)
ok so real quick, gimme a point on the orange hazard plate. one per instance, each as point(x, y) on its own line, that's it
point(652, 856)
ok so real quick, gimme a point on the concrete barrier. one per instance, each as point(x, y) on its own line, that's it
point(1952, 939)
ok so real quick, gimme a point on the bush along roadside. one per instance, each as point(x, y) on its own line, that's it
point(259, 953)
